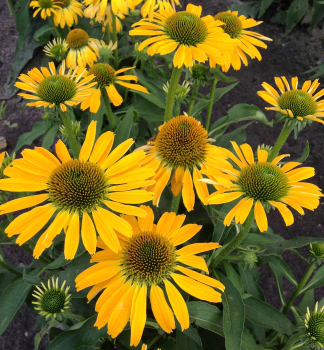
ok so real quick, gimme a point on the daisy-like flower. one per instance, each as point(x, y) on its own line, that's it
point(49, 89)
point(82, 49)
point(68, 13)
point(75, 189)
point(46, 7)
point(148, 261)
point(106, 77)
point(56, 49)
point(313, 328)
point(191, 37)
point(293, 104)
point(181, 146)
point(52, 301)
point(117, 6)
point(235, 26)
point(158, 5)
point(262, 185)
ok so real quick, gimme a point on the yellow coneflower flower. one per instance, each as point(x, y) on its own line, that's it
point(149, 260)
point(49, 89)
point(68, 13)
point(295, 103)
point(117, 6)
point(158, 5)
point(82, 49)
point(77, 189)
point(262, 185)
point(181, 146)
point(56, 49)
point(46, 7)
point(106, 78)
point(191, 37)
point(235, 26)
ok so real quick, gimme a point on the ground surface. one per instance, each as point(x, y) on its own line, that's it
point(289, 56)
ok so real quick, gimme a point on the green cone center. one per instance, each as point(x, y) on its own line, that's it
point(53, 301)
point(315, 327)
point(77, 185)
point(62, 3)
point(263, 181)
point(186, 28)
point(232, 26)
point(57, 89)
point(45, 4)
point(300, 102)
point(104, 74)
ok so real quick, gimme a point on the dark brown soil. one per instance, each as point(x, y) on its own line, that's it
point(287, 55)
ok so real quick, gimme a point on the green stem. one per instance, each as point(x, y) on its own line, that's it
point(115, 39)
point(175, 203)
point(280, 142)
point(11, 9)
point(111, 118)
point(108, 33)
point(211, 102)
point(68, 128)
point(153, 341)
point(8, 267)
point(54, 27)
point(131, 72)
point(226, 250)
point(10, 217)
point(142, 65)
point(177, 110)
point(193, 95)
point(175, 77)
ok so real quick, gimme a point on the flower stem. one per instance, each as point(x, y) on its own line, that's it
point(280, 142)
point(142, 65)
point(175, 77)
point(11, 9)
point(211, 102)
point(193, 95)
point(175, 203)
point(111, 118)
point(227, 249)
point(8, 267)
point(115, 39)
point(131, 72)
point(153, 341)
point(54, 27)
point(68, 128)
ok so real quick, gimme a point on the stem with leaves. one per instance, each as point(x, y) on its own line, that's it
point(68, 128)
point(175, 77)
point(211, 102)
point(54, 27)
point(285, 132)
point(111, 118)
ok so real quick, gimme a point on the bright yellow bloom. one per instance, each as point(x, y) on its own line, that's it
point(235, 27)
point(77, 189)
point(158, 5)
point(49, 89)
point(149, 260)
point(295, 103)
point(68, 12)
point(181, 146)
point(106, 78)
point(82, 49)
point(45, 7)
point(191, 37)
point(262, 185)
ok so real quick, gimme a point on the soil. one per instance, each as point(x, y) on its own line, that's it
point(287, 55)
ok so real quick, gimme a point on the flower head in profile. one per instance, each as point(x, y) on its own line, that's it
point(316, 252)
point(50, 89)
point(83, 50)
point(46, 7)
point(158, 5)
point(68, 13)
point(86, 189)
point(261, 185)
point(182, 90)
point(52, 301)
point(181, 147)
point(56, 49)
point(149, 260)
point(106, 78)
point(295, 106)
point(185, 33)
point(314, 328)
point(235, 26)
point(106, 51)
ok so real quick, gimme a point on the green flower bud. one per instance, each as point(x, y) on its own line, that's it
point(199, 72)
point(76, 128)
point(181, 92)
point(316, 252)
point(314, 327)
point(250, 259)
point(140, 55)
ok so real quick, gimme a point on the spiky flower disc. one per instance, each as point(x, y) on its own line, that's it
point(55, 90)
point(186, 33)
point(295, 106)
point(81, 193)
point(52, 300)
point(314, 328)
point(149, 261)
point(46, 7)
point(56, 49)
point(261, 185)
point(68, 13)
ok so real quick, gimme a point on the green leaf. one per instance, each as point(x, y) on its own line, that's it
point(316, 282)
point(39, 129)
point(40, 32)
point(49, 138)
point(281, 266)
point(124, 128)
point(85, 336)
point(308, 301)
point(221, 76)
point(296, 12)
point(263, 314)
point(39, 336)
point(234, 277)
point(233, 315)
point(264, 6)
point(31, 279)
point(317, 13)
point(305, 153)
point(278, 275)
point(253, 238)
point(249, 280)
point(237, 135)
point(186, 343)
point(152, 98)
